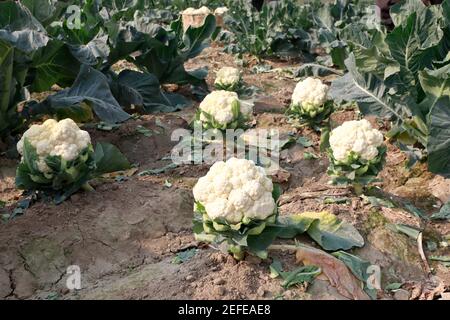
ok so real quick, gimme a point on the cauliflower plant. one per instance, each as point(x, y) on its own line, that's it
point(55, 156)
point(223, 110)
point(310, 101)
point(58, 157)
point(52, 138)
point(228, 78)
point(194, 18)
point(234, 199)
point(356, 152)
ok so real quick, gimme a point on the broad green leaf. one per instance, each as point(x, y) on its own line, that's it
point(401, 11)
point(20, 28)
point(91, 87)
point(291, 226)
point(331, 233)
point(323, 227)
point(93, 53)
point(7, 90)
point(439, 137)
point(412, 44)
point(53, 64)
point(42, 10)
point(109, 159)
point(164, 55)
point(436, 84)
point(258, 244)
point(143, 89)
point(373, 60)
point(369, 92)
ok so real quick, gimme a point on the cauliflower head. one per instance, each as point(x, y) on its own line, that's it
point(235, 190)
point(223, 108)
point(194, 18)
point(53, 138)
point(228, 78)
point(310, 97)
point(221, 11)
point(201, 11)
point(355, 138)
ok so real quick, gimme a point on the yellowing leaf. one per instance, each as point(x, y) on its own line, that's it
point(335, 271)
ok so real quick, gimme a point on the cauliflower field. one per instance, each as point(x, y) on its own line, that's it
point(281, 150)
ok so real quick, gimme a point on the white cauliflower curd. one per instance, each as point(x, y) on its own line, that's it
point(53, 138)
point(228, 77)
point(194, 18)
point(220, 106)
point(234, 190)
point(357, 137)
point(310, 91)
point(221, 11)
point(201, 11)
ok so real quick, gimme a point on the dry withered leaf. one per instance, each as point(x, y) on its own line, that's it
point(430, 289)
point(336, 272)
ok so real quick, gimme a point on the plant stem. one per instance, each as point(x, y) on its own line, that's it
point(87, 187)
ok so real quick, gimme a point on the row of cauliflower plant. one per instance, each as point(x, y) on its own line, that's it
point(221, 109)
point(356, 150)
point(236, 202)
point(81, 57)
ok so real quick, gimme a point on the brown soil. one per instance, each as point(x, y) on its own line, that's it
point(125, 235)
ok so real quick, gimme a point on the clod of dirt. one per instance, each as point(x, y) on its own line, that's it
point(401, 294)
point(394, 244)
point(280, 176)
point(220, 291)
point(412, 188)
point(268, 104)
point(261, 292)
point(440, 188)
point(323, 290)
